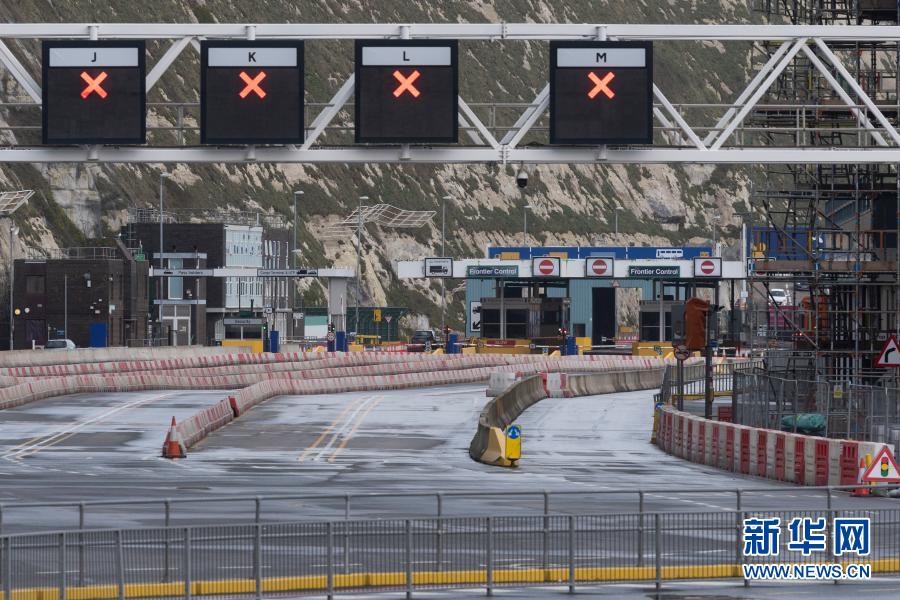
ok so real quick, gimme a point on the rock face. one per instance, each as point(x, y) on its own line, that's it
point(572, 204)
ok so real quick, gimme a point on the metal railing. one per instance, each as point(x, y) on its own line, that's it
point(260, 560)
point(168, 512)
point(84, 253)
point(694, 380)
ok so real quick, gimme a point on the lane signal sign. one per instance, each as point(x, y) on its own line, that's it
point(93, 84)
point(252, 84)
point(406, 84)
point(601, 85)
point(890, 354)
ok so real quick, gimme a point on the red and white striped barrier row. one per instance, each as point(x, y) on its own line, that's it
point(800, 459)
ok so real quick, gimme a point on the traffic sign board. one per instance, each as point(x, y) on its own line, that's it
point(889, 355)
point(513, 432)
point(182, 272)
point(599, 267)
point(329, 336)
point(94, 92)
point(708, 267)
point(601, 92)
point(251, 92)
point(682, 352)
point(883, 469)
point(545, 266)
point(406, 91)
point(287, 272)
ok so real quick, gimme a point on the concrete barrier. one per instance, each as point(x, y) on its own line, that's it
point(499, 381)
point(28, 358)
point(795, 458)
point(502, 411)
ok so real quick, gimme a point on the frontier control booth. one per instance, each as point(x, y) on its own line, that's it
point(544, 293)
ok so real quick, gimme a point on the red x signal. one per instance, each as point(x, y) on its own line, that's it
point(601, 85)
point(252, 85)
point(406, 84)
point(93, 85)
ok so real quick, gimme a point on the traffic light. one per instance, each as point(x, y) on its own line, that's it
point(695, 313)
point(563, 331)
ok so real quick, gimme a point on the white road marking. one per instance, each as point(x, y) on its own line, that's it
point(345, 426)
point(29, 448)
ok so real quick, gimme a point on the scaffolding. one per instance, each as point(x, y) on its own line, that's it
point(830, 231)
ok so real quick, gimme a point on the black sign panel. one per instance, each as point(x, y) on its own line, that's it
point(601, 93)
point(93, 92)
point(251, 92)
point(406, 91)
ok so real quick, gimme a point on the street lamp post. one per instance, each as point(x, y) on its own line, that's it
point(13, 231)
point(525, 223)
point(359, 216)
point(161, 280)
point(297, 195)
point(443, 255)
point(10, 203)
point(715, 231)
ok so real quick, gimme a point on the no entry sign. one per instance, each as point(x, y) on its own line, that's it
point(599, 267)
point(545, 266)
point(708, 267)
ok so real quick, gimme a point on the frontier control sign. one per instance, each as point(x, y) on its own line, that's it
point(654, 272)
point(492, 271)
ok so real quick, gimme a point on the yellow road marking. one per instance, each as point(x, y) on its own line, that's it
point(380, 580)
point(330, 428)
point(350, 434)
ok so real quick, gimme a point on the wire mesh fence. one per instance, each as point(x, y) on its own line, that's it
point(850, 411)
point(333, 558)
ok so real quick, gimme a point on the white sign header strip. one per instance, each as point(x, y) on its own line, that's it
point(396, 56)
point(98, 56)
point(601, 57)
point(246, 56)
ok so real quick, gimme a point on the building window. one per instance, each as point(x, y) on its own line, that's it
point(34, 284)
point(176, 284)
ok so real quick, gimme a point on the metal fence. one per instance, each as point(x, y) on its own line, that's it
point(694, 380)
point(395, 555)
point(856, 412)
point(167, 512)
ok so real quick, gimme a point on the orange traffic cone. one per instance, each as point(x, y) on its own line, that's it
point(172, 447)
point(864, 490)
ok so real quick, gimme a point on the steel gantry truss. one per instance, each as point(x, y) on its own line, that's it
point(683, 133)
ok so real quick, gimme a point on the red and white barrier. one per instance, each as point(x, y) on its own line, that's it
point(795, 458)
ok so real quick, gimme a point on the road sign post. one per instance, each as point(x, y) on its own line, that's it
point(884, 468)
point(889, 355)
